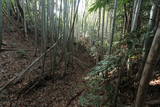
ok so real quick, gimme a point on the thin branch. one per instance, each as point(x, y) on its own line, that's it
point(74, 97)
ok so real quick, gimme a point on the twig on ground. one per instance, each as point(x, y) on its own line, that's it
point(74, 97)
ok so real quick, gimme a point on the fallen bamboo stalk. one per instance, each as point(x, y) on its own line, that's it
point(17, 77)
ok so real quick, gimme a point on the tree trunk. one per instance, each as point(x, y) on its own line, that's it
point(148, 69)
point(136, 15)
point(20, 10)
point(107, 21)
point(24, 18)
point(149, 37)
point(113, 25)
point(102, 39)
point(1, 24)
point(99, 26)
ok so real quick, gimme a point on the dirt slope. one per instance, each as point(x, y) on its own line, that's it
point(51, 93)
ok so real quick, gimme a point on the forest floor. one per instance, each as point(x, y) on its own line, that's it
point(61, 92)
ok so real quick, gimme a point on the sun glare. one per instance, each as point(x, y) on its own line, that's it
point(81, 7)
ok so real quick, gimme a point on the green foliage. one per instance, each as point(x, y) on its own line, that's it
point(98, 4)
point(102, 3)
point(122, 2)
point(100, 89)
point(100, 92)
point(106, 65)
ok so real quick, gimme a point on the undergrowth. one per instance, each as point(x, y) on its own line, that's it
point(101, 81)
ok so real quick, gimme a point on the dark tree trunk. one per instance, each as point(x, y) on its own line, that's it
point(20, 10)
point(148, 69)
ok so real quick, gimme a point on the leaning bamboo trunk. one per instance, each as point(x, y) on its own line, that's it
point(148, 69)
point(148, 37)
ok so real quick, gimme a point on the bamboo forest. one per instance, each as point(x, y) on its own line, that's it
point(79, 53)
